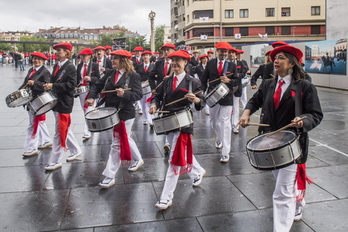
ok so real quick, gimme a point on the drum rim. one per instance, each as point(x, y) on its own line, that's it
point(113, 108)
point(173, 113)
point(275, 168)
point(272, 149)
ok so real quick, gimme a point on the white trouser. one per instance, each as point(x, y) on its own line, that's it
point(220, 117)
point(235, 112)
point(42, 136)
point(284, 198)
point(57, 150)
point(172, 179)
point(244, 97)
point(139, 105)
point(114, 161)
point(82, 98)
point(145, 106)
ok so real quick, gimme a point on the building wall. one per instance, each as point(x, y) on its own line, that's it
point(336, 15)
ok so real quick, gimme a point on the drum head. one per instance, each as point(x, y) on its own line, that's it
point(264, 142)
point(100, 113)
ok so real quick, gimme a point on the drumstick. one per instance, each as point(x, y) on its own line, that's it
point(257, 124)
point(159, 85)
point(25, 85)
point(180, 99)
point(219, 78)
point(164, 112)
point(283, 128)
point(111, 91)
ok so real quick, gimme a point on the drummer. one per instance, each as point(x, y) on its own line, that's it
point(87, 75)
point(37, 136)
point(278, 98)
point(181, 158)
point(63, 83)
point(143, 70)
point(123, 147)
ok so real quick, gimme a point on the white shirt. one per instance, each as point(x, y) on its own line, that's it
point(180, 77)
point(218, 64)
point(287, 80)
point(61, 63)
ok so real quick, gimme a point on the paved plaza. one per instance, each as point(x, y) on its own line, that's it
point(232, 197)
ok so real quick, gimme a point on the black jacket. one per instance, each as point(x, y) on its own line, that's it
point(140, 70)
point(156, 75)
point(93, 71)
point(41, 77)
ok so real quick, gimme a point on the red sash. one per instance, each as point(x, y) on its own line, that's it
point(64, 122)
point(183, 154)
point(302, 178)
point(120, 132)
point(37, 120)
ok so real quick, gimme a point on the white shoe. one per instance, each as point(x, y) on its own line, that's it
point(140, 112)
point(31, 153)
point(166, 148)
point(86, 136)
point(107, 182)
point(198, 180)
point(224, 159)
point(135, 165)
point(298, 214)
point(53, 166)
point(72, 157)
point(45, 145)
point(164, 204)
point(218, 144)
point(235, 131)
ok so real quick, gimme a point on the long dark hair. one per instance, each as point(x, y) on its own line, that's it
point(297, 71)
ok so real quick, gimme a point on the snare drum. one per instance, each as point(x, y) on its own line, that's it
point(172, 122)
point(245, 81)
point(19, 98)
point(43, 103)
point(273, 152)
point(102, 119)
point(217, 94)
point(145, 87)
point(80, 90)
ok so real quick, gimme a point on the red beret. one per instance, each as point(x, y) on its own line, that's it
point(86, 51)
point(195, 52)
point(99, 48)
point(156, 53)
point(289, 49)
point(63, 45)
point(146, 52)
point(240, 52)
point(183, 50)
point(210, 52)
point(168, 45)
point(108, 47)
point(268, 52)
point(233, 49)
point(39, 54)
point(138, 49)
point(123, 53)
point(278, 43)
point(203, 56)
point(181, 54)
point(223, 45)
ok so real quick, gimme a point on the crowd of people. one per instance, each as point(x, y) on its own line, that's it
point(176, 84)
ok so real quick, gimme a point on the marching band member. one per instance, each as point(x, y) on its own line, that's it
point(143, 70)
point(63, 83)
point(123, 147)
point(194, 59)
point(137, 59)
point(37, 136)
point(260, 71)
point(108, 50)
point(285, 99)
point(181, 158)
point(220, 114)
point(87, 75)
point(246, 71)
point(210, 54)
point(203, 59)
point(103, 62)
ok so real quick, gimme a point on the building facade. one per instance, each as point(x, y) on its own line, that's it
point(201, 23)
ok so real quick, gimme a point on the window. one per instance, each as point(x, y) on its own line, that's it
point(203, 13)
point(229, 31)
point(270, 12)
point(315, 10)
point(244, 31)
point(270, 30)
point(228, 13)
point(315, 30)
point(285, 30)
point(203, 31)
point(244, 13)
point(286, 11)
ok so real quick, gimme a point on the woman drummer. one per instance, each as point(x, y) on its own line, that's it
point(179, 85)
point(87, 75)
point(284, 100)
point(37, 136)
point(144, 69)
point(127, 89)
point(63, 83)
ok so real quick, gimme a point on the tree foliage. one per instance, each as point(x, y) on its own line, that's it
point(133, 42)
point(5, 47)
point(159, 37)
point(106, 39)
point(33, 47)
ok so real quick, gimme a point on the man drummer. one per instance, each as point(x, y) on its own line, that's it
point(220, 115)
point(87, 75)
point(103, 62)
point(137, 59)
point(177, 86)
point(37, 136)
point(108, 50)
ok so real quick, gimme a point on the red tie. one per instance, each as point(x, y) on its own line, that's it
point(32, 73)
point(145, 68)
point(277, 94)
point(220, 68)
point(99, 62)
point(56, 70)
point(165, 70)
point(175, 81)
point(84, 74)
point(116, 77)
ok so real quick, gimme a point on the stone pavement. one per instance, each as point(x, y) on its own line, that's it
point(232, 196)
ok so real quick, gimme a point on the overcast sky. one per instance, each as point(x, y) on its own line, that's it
point(32, 15)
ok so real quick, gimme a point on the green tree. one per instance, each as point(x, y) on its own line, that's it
point(5, 47)
point(133, 42)
point(106, 39)
point(33, 47)
point(159, 37)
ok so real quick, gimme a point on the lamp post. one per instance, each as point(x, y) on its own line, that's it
point(152, 16)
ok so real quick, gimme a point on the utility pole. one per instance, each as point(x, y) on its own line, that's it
point(152, 16)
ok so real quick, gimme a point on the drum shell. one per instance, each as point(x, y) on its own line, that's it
point(80, 90)
point(272, 159)
point(43, 103)
point(217, 94)
point(18, 98)
point(172, 122)
point(102, 123)
point(145, 87)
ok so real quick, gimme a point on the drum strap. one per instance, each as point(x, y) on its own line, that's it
point(125, 86)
